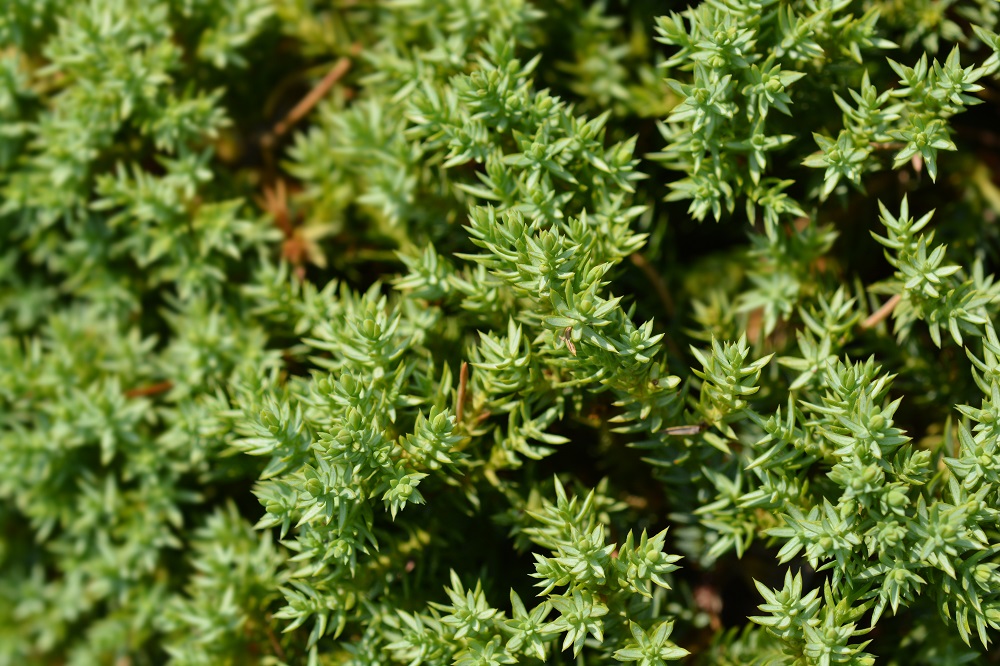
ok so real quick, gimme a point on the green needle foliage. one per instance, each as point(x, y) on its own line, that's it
point(462, 332)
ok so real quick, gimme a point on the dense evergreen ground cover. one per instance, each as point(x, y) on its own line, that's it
point(475, 332)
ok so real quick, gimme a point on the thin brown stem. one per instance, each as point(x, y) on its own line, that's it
point(887, 145)
point(306, 104)
point(659, 286)
point(662, 292)
point(882, 312)
point(275, 645)
point(153, 389)
point(463, 380)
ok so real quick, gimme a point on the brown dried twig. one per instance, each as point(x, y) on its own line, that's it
point(152, 389)
point(273, 640)
point(463, 380)
point(882, 312)
point(306, 104)
point(659, 286)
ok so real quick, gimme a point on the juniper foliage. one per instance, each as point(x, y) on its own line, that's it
point(537, 332)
